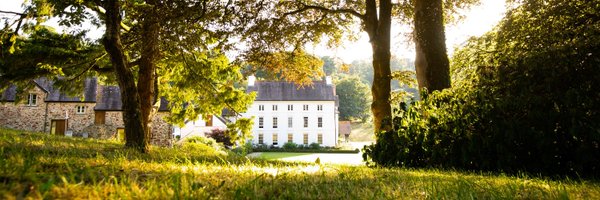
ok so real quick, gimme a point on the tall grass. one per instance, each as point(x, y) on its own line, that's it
point(40, 166)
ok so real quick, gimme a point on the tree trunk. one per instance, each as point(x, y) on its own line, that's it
point(147, 66)
point(431, 62)
point(132, 115)
point(378, 29)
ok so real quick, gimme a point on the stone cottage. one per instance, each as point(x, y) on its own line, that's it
point(96, 114)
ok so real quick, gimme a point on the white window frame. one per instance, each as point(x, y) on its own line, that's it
point(261, 122)
point(305, 122)
point(275, 139)
point(274, 107)
point(305, 107)
point(261, 107)
point(320, 122)
point(80, 110)
point(274, 122)
point(320, 107)
point(261, 138)
point(305, 138)
point(290, 137)
point(32, 99)
point(320, 138)
point(290, 122)
point(290, 107)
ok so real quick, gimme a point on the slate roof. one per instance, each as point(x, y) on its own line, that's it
point(286, 91)
point(9, 94)
point(54, 94)
point(110, 100)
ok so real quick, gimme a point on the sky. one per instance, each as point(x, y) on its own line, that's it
point(478, 20)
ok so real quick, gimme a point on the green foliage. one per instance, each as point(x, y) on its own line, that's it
point(201, 84)
point(329, 65)
point(47, 53)
point(314, 145)
point(354, 97)
point(290, 146)
point(526, 99)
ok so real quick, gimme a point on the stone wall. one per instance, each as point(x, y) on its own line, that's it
point(22, 116)
point(68, 110)
point(38, 118)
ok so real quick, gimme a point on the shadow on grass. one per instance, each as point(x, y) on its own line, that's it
point(43, 166)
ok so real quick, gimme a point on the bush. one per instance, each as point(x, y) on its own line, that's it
point(290, 146)
point(314, 146)
point(536, 111)
point(220, 136)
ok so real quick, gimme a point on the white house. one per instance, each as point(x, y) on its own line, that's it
point(200, 127)
point(285, 112)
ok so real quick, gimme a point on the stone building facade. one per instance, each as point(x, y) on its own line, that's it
point(97, 114)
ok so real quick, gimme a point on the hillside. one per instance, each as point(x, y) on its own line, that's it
point(34, 165)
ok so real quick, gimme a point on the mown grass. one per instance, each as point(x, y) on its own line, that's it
point(37, 166)
point(279, 155)
point(361, 132)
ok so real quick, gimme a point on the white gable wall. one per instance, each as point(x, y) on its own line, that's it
point(328, 130)
point(198, 127)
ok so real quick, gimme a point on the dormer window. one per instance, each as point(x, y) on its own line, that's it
point(80, 110)
point(32, 100)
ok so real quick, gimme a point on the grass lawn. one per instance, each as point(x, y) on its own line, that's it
point(361, 132)
point(41, 166)
point(279, 155)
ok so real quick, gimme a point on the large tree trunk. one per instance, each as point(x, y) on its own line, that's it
point(132, 115)
point(431, 62)
point(147, 66)
point(378, 28)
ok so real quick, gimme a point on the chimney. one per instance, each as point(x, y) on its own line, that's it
point(251, 80)
point(328, 80)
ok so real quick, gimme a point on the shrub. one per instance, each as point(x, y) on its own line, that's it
point(535, 109)
point(290, 146)
point(314, 145)
point(221, 136)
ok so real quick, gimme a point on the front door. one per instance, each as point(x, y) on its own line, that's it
point(58, 127)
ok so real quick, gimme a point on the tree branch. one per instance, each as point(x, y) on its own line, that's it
point(306, 7)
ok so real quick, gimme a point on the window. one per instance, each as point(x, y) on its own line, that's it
point(320, 138)
point(275, 139)
point(261, 122)
point(305, 138)
point(320, 122)
point(305, 107)
point(274, 107)
point(80, 109)
point(260, 138)
point(305, 122)
point(319, 107)
point(290, 137)
point(274, 122)
point(290, 122)
point(32, 100)
point(290, 107)
point(261, 107)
